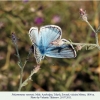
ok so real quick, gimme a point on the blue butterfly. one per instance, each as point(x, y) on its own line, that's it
point(45, 43)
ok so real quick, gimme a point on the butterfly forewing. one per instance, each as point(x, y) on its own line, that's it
point(49, 33)
point(33, 34)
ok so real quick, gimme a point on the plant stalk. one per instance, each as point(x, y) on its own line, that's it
point(96, 36)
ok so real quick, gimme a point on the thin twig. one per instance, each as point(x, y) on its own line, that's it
point(14, 39)
point(29, 77)
point(21, 75)
point(84, 44)
point(18, 56)
point(22, 68)
point(84, 17)
point(96, 36)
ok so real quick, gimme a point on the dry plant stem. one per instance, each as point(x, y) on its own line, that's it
point(85, 44)
point(19, 63)
point(22, 68)
point(29, 78)
point(96, 36)
point(21, 75)
point(88, 44)
point(14, 39)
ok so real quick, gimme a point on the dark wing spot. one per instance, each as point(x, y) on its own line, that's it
point(57, 48)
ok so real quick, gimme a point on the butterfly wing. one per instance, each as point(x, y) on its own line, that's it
point(38, 56)
point(48, 34)
point(34, 36)
point(62, 51)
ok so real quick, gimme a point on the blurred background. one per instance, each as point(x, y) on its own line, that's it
point(79, 74)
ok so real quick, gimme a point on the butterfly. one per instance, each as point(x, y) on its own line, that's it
point(47, 42)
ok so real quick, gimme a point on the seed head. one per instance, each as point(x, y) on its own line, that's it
point(83, 14)
point(14, 38)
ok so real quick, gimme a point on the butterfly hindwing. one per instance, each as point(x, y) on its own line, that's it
point(37, 54)
point(62, 51)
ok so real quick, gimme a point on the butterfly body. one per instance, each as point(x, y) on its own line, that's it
point(48, 42)
point(42, 49)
